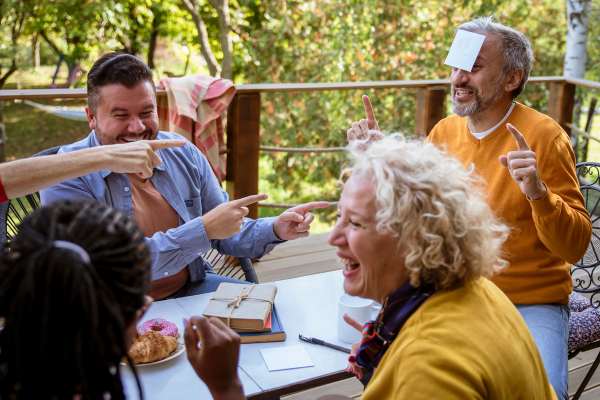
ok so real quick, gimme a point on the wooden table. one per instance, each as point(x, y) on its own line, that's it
point(306, 305)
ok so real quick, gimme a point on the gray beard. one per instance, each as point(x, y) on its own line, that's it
point(465, 110)
point(476, 106)
point(479, 104)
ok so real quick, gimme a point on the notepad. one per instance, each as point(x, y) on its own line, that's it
point(288, 357)
point(464, 50)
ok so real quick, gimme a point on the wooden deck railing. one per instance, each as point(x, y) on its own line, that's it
point(243, 128)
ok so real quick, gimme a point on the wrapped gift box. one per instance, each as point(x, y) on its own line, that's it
point(243, 307)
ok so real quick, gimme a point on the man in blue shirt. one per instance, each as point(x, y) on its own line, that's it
point(181, 208)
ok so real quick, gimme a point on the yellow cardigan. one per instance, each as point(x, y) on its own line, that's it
point(468, 343)
point(547, 234)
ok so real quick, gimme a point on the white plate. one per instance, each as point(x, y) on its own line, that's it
point(178, 351)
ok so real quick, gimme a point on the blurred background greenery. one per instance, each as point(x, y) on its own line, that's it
point(53, 43)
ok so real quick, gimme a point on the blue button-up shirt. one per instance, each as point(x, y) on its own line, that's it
point(187, 182)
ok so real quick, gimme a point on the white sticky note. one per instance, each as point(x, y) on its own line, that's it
point(464, 50)
point(289, 357)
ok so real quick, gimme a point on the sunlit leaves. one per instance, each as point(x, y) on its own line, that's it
point(328, 41)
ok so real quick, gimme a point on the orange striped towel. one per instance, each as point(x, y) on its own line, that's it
point(195, 109)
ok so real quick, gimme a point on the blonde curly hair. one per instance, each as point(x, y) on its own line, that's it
point(435, 209)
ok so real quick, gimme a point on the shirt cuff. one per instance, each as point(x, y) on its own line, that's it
point(198, 235)
point(191, 239)
point(266, 233)
point(178, 247)
point(269, 234)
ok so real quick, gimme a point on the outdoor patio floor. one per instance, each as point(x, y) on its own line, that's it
point(313, 255)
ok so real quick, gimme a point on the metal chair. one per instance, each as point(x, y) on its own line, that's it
point(581, 139)
point(233, 267)
point(586, 278)
point(14, 211)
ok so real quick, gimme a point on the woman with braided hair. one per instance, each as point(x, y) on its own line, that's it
point(72, 287)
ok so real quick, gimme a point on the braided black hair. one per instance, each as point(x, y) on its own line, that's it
point(65, 319)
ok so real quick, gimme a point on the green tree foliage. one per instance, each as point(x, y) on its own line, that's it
point(130, 23)
point(77, 32)
point(71, 28)
point(593, 67)
point(327, 41)
point(13, 17)
point(304, 41)
point(135, 26)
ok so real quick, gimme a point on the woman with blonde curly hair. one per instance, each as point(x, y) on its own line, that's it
point(415, 234)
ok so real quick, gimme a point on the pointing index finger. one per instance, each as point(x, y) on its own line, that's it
point(353, 323)
point(246, 201)
point(164, 143)
point(521, 142)
point(369, 112)
point(303, 208)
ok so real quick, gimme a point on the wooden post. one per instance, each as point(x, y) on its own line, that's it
point(430, 108)
point(243, 138)
point(561, 101)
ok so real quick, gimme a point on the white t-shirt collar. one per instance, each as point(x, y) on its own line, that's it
point(481, 135)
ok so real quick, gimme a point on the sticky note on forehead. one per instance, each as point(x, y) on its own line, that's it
point(464, 50)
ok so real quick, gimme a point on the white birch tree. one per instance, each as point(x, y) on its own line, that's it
point(577, 31)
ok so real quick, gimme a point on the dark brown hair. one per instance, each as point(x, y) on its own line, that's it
point(120, 68)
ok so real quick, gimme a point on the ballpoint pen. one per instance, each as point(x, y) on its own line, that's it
point(323, 343)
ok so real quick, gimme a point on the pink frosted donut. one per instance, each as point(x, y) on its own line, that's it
point(159, 325)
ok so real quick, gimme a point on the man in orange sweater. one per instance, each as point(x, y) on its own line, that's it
point(528, 165)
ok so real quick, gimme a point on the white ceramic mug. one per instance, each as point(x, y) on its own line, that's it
point(359, 309)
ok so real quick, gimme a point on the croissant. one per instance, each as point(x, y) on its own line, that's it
point(152, 346)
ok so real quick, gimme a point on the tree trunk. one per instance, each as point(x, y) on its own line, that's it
point(134, 42)
point(56, 70)
point(188, 57)
point(11, 70)
point(52, 45)
point(57, 51)
point(158, 18)
point(152, 43)
point(211, 61)
point(222, 7)
point(577, 32)
point(16, 28)
point(35, 51)
point(74, 71)
point(576, 54)
point(152, 48)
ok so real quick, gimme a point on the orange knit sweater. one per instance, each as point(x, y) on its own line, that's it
point(546, 234)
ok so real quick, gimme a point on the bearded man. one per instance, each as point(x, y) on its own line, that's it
point(528, 165)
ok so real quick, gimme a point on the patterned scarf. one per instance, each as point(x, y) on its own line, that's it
point(379, 334)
